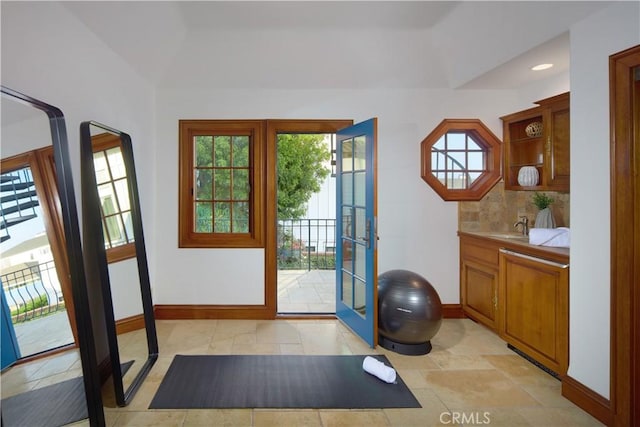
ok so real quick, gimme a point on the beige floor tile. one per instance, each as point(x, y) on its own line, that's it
point(470, 371)
point(281, 418)
point(350, 418)
point(447, 361)
point(520, 370)
point(151, 418)
point(477, 389)
point(291, 349)
point(218, 417)
point(222, 346)
point(255, 349)
point(549, 396)
point(277, 332)
point(558, 417)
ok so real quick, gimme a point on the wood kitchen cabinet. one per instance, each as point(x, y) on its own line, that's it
point(534, 309)
point(538, 137)
point(479, 280)
point(520, 291)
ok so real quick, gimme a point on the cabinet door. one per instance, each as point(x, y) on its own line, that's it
point(534, 318)
point(479, 287)
point(557, 147)
point(556, 133)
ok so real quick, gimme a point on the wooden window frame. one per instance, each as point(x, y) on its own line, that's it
point(187, 238)
point(42, 164)
point(483, 136)
point(103, 142)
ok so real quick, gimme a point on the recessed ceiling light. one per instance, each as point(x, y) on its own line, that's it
point(540, 67)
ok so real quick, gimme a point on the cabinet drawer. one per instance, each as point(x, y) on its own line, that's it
point(482, 252)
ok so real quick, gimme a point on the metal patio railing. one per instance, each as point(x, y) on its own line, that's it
point(32, 292)
point(306, 244)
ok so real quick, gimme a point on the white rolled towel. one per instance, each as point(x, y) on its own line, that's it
point(558, 237)
point(379, 369)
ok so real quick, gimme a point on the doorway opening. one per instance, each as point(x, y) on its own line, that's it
point(306, 223)
point(32, 281)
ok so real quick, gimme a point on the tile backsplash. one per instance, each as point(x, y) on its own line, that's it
point(501, 208)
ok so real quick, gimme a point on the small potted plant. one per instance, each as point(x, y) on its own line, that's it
point(544, 219)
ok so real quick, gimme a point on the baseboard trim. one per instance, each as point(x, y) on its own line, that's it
point(587, 399)
point(173, 312)
point(130, 324)
point(452, 311)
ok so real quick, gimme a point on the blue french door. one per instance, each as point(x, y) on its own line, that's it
point(356, 261)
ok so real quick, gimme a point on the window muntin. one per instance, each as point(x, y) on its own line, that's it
point(221, 183)
point(222, 190)
point(457, 160)
point(460, 159)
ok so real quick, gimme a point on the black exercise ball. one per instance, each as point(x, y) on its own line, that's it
point(409, 312)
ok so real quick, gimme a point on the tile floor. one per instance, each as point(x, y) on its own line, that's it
point(303, 291)
point(470, 373)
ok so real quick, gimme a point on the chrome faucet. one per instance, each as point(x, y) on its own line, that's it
point(524, 221)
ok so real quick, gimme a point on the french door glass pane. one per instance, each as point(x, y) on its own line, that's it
point(347, 289)
point(360, 297)
point(347, 155)
point(359, 152)
point(360, 223)
point(360, 261)
point(359, 190)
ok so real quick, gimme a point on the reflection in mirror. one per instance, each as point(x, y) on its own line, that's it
point(28, 125)
point(33, 270)
point(116, 256)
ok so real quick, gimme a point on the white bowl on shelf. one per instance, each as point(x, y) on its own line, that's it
point(528, 176)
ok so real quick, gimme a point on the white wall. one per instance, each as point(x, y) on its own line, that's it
point(417, 229)
point(48, 54)
point(592, 41)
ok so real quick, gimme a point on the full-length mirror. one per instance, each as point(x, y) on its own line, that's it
point(115, 254)
point(46, 309)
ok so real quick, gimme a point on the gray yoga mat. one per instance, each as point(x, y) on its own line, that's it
point(277, 381)
point(54, 405)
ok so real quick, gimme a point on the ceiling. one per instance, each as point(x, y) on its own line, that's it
point(414, 44)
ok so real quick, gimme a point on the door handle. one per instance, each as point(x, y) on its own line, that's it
point(366, 238)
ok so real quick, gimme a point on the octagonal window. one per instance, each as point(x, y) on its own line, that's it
point(460, 159)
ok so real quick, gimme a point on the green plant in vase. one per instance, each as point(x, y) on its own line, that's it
point(544, 219)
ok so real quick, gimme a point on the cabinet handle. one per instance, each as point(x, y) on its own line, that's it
point(532, 258)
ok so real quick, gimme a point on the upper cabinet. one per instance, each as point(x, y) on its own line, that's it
point(537, 140)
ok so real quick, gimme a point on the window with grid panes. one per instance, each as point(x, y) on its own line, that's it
point(220, 183)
